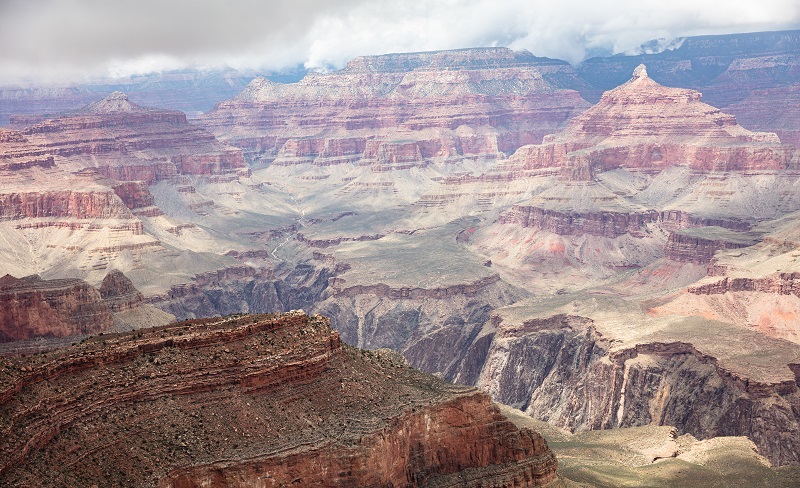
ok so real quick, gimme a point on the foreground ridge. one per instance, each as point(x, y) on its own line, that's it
point(268, 399)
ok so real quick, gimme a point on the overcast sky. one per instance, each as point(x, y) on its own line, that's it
point(73, 39)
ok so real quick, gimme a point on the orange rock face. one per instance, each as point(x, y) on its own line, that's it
point(250, 401)
point(642, 124)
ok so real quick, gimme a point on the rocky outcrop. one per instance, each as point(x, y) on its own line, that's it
point(335, 241)
point(18, 153)
point(118, 292)
point(781, 284)
point(65, 203)
point(699, 249)
point(250, 399)
point(575, 378)
point(340, 288)
point(33, 307)
point(607, 224)
point(682, 247)
point(245, 288)
point(644, 125)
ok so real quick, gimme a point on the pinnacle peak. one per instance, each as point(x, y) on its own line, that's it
point(114, 102)
point(117, 95)
point(640, 72)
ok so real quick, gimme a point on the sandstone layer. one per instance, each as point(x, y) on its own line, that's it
point(76, 192)
point(125, 141)
point(251, 400)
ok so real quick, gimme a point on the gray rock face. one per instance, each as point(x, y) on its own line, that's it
point(562, 371)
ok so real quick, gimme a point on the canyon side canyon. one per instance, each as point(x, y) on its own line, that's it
point(609, 249)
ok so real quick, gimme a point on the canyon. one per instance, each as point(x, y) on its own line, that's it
point(602, 247)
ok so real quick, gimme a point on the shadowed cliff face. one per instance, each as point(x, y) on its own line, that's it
point(227, 402)
point(561, 370)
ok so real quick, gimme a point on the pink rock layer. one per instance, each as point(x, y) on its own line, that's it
point(642, 124)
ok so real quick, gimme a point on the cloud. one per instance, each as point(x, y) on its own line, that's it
point(51, 39)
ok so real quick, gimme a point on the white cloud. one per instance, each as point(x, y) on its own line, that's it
point(72, 38)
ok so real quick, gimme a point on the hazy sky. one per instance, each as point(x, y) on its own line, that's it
point(72, 39)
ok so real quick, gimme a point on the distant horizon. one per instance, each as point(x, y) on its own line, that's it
point(57, 42)
point(298, 71)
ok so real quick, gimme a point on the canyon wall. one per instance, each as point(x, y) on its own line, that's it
point(641, 124)
point(402, 108)
point(574, 378)
point(31, 307)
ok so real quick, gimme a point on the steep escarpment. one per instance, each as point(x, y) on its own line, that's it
point(31, 307)
point(773, 109)
point(607, 224)
point(64, 203)
point(781, 283)
point(700, 245)
point(250, 398)
point(648, 172)
point(244, 288)
point(562, 370)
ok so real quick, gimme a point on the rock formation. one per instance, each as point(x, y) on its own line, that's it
point(118, 292)
point(773, 109)
point(31, 307)
point(626, 271)
point(247, 399)
point(125, 141)
point(726, 68)
point(402, 108)
point(190, 91)
point(577, 378)
point(642, 124)
point(700, 245)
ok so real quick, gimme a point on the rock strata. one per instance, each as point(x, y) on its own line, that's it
point(118, 292)
point(642, 124)
point(32, 307)
point(577, 379)
point(128, 142)
point(402, 109)
point(250, 400)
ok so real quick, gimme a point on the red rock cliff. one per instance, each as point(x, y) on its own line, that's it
point(31, 307)
point(243, 400)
